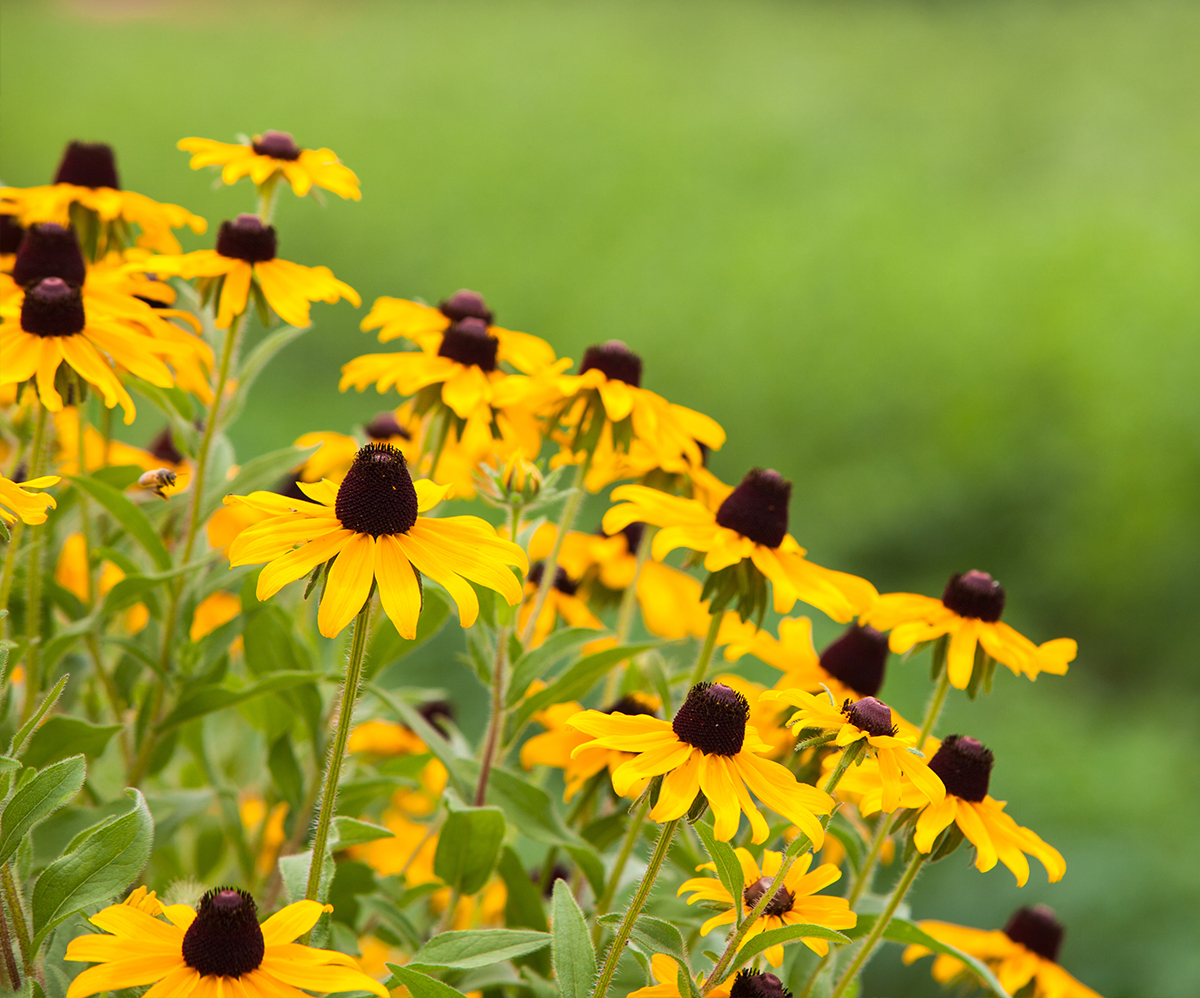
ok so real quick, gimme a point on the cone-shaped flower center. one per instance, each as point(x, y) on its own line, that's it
point(857, 659)
point(468, 342)
point(633, 536)
point(53, 308)
point(758, 507)
point(88, 164)
point(277, 145)
point(974, 594)
point(780, 904)
point(562, 581)
point(434, 711)
point(377, 495)
point(11, 234)
point(1036, 929)
point(384, 426)
point(870, 715)
point(162, 446)
point(632, 705)
point(49, 250)
point(748, 984)
point(713, 719)
point(466, 305)
point(615, 360)
point(964, 766)
point(225, 940)
point(246, 238)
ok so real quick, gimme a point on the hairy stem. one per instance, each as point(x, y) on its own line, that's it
point(496, 721)
point(627, 609)
point(706, 653)
point(614, 881)
point(16, 914)
point(934, 710)
point(550, 566)
point(33, 574)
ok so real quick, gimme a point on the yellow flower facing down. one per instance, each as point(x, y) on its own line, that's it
point(219, 948)
point(17, 503)
point(969, 612)
point(796, 902)
point(245, 253)
point(666, 973)
point(751, 524)
point(371, 525)
point(709, 747)
point(216, 609)
point(271, 153)
point(1024, 951)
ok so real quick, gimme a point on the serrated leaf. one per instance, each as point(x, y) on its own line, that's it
point(479, 947)
point(127, 514)
point(572, 951)
point(420, 985)
point(208, 699)
point(63, 736)
point(49, 790)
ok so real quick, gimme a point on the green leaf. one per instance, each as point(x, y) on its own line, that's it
point(442, 750)
point(208, 699)
point(900, 930)
point(776, 937)
point(523, 907)
point(536, 664)
point(100, 863)
point(41, 796)
point(130, 590)
point(478, 948)
point(285, 771)
point(722, 854)
point(386, 644)
point(421, 985)
point(62, 736)
point(256, 360)
point(293, 871)
point(258, 473)
point(127, 514)
point(51, 698)
point(573, 953)
point(353, 832)
point(468, 846)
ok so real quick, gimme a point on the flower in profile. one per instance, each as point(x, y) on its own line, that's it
point(17, 503)
point(795, 903)
point(969, 612)
point(274, 153)
point(561, 601)
point(1024, 951)
point(749, 529)
point(709, 747)
point(218, 948)
point(408, 852)
point(370, 527)
point(666, 973)
point(245, 255)
point(215, 610)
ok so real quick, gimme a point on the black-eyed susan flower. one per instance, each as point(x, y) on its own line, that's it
point(969, 612)
point(216, 609)
point(72, 573)
point(796, 902)
point(561, 601)
point(370, 524)
point(245, 253)
point(17, 503)
point(750, 528)
point(665, 972)
point(1024, 952)
point(708, 747)
point(11, 234)
point(217, 949)
point(271, 153)
point(409, 851)
point(868, 720)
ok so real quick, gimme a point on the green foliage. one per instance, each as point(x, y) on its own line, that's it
point(36, 798)
point(468, 846)
point(574, 956)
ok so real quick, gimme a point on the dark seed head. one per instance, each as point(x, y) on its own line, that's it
point(974, 594)
point(377, 495)
point(277, 145)
point(780, 904)
point(437, 711)
point(246, 238)
point(632, 705)
point(49, 250)
point(163, 447)
point(385, 426)
point(713, 719)
point(468, 342)
point(748, 984)
point(857, 659)
point(225, 940)
point(1037, 929)
point(758, 507)
point(558, 872)
point(53, 308)
point(11, 234)
point(88, 164)
point(964, 766)
point(466, 305)
point(633, 536)
point(615, 360)
point(562, 582)
point(870, 715)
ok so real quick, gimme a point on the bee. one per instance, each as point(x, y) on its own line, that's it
point(159, 479)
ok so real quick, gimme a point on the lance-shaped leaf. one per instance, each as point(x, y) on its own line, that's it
point(41, 796)
point(127, 514)
point(212, 698)
point(725, 860)
point(419, 985)
point(776, 937)
point(573, 953)
point(478, 948)
point(63, 736)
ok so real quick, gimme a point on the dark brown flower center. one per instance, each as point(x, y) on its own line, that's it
point(748, 984)
point(469, 342)
point(163, 447)
point(615, 360)
point(385, 426)
point(53, 308)
point(377, 495)
point(713, 719)
point(225, 940)
point(49, 250)
point(758, 507)
point(632, 705)
point(436, 711)
point(466, 305)
point(857, 659)
point(974, 594)
point(277, 145)
point(562, 582)
point(780, 904)
point(1037, 929)
point(246, 238)
point(11, 234)
point(870, 715)
point(633, 536)
point(964, 766)
point(88, 164)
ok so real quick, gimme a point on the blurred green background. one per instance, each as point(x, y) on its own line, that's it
point(936, 262)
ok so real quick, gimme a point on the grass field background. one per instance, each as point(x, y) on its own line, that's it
point(935, 262)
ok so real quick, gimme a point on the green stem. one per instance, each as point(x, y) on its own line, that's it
point(266, 197)
point(13, 974)
point(625, 612)
point(868, 867)
point(16, 532)
point(16, 914)
point(881, 924)
point(610, 889)
point(613, 956)
point(550, 565)
point(33, 574)
point(934, 710)
point(710, 642)
point(112, 694)
point(496, 721)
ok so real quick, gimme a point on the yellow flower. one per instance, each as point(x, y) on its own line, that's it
point(144, 900)
point(561, 601)
point(794, 904)
point(218, 949)
point(370, 523)
point(246, 252)
point(666, 973)
point(474, 911)
point(1024, 951)
point(215, 609)
point(385, 738)
point(18, 504)
point(271, 153)
point(71, 572)
point(969, 611)
point(751, 525)
point(409, 851)
point(66, 439)
point(708, 747)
